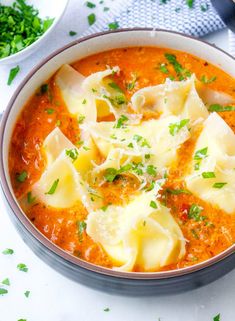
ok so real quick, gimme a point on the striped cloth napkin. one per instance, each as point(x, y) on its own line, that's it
point(176, 15)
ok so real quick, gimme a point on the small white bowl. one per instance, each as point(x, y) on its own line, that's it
point(47, 9)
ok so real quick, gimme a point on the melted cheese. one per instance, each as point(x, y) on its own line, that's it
point(219, 140)
point(90, 97)
point(69, 190)
point(137, 235)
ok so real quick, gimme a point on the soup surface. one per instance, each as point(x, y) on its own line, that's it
point(207, 228)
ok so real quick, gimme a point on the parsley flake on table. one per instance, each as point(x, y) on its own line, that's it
point(3, 291)
point(190, 3)
point(113, 25)
point(6, 282)
point(8, 252)
point(72, 33)
point(217, 317)
point(13, 72)
point(106, 309)
point(90, 5)
point(27, 293)
point(204, 7)
point(22, 267)
point(91, 19)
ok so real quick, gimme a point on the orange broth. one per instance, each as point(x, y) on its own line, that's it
point(205, 239)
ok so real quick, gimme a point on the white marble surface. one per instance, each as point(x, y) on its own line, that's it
point(55, 298)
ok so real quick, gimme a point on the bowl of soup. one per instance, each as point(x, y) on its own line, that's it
point(118, 158)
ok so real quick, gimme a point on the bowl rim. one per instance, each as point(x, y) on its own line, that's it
point(46, 243)
point(9, 59)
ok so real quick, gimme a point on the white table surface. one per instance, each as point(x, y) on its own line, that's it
point(54, 297)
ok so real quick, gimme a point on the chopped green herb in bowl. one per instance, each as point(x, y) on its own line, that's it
point(23, 24)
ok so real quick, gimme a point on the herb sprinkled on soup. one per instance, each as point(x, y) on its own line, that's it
point(126, 159)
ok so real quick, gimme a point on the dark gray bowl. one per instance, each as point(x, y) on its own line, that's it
point(124, 283)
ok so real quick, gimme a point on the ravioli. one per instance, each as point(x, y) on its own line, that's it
point(153, 137)
point(138, 235)
point(212, 176)
point(61, 186)
point(92, 97)
point(172, 98)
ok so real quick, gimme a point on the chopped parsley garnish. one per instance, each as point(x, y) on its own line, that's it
point(104, 208)
point(201, 153)
point(219, 185)
point(110, 174)
point(3, 291)
point(27, 293)
point(195, 213)
point(53, 187)
point(190, 3)
point(113, 25)
point(174, 128)
point(90, 5)
point(22, 176)
point(153, 204)
point(115, 86)
point(13, 71)
point(196, 166)
point(119, 99)
point(44, 89)
point(177, 191)
point(141, 140)
point(151, 170)
point(20, 26)
point(121, 122)
point(22, 267)
point(72, 153)
point(8, 252)
point(106, 9)
point(217, 317)
point(81, 227)
point(30, 198)
point(181, 72)
point(72, 33)
point(91, 19)
point(195, 235)
point(81, 119)
point(220, 108)
point(131, 85)
point(84, 101)
point(6, 282)
point(106, 309)
point(22, 320)
point(163, 69)
point(50, 111)
point(208, 175)
point(206, 80)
